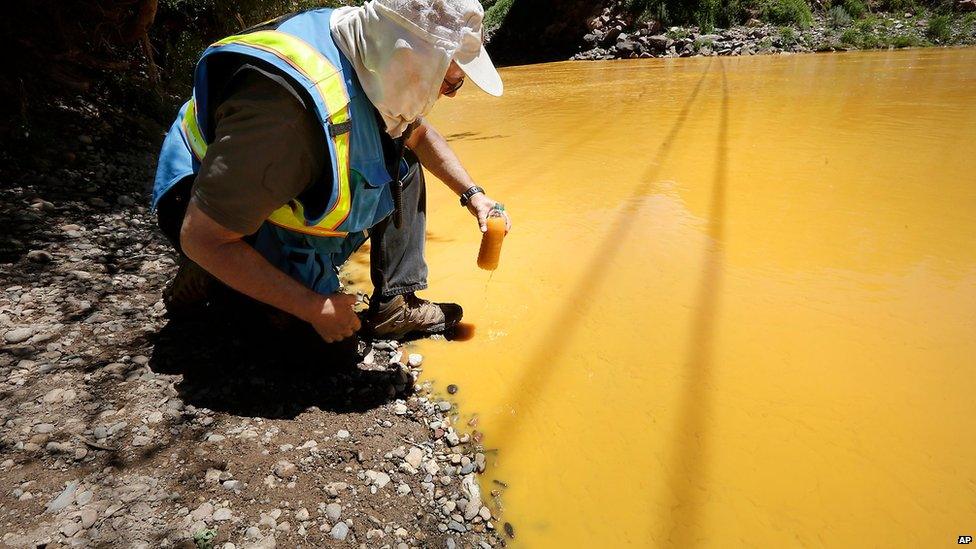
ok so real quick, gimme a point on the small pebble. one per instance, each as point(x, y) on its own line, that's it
point(339, 531)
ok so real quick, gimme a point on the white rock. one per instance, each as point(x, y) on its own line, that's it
point(70, 528)
point(431, 467)
point(84, 498)
point(64, 498)
point(203, 512)
point(53, 396)
point(267, 521)
point(378, 478)
point(415, 360)
point(18, 335)
point(285, 469)
point(88, 517)
point(267, 542)
point(415, 456)
point(222, 514)
point(333, 511)
point(301, 514)
point(339, 531)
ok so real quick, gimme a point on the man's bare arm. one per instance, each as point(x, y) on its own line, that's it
point(225, 255)
point(438, 157)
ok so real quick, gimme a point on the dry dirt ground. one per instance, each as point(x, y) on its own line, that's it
point(120, 427)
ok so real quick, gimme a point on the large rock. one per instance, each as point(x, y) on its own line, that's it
point(658, 42)
point(18, 335)
point(627, 46)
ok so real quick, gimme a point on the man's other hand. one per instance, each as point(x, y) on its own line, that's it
point(334, 318)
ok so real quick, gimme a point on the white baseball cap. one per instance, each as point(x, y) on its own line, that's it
point(455, 26)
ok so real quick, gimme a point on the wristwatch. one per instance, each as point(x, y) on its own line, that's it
point(466, 195)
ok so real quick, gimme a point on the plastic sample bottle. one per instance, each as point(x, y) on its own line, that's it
point(491, 242)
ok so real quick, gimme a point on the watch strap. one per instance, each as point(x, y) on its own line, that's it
point(466, 195)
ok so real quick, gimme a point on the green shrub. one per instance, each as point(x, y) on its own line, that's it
point(966, 25)
point(204, 539)
point(867, 24)
point(707, 14)
point(906, 41)
point(678, 34)
point(838, 17)
point(787, 12)
point(495, 14)
point(787, 35)
point(939, 29)
point(700, 44)
point(851, 37)
point(855, 8)
point(897, 5)
point(870, 41)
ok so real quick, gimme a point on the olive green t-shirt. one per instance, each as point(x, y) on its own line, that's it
point(267, 149)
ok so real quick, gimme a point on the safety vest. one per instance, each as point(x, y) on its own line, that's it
point(301, 47)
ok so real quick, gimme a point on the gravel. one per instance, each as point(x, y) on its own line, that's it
point(127, 428)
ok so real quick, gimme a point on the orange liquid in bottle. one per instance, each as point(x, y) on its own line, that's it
point(491, 243)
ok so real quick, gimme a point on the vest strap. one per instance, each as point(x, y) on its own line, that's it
point(341, 128)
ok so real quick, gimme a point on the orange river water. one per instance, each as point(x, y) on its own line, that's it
point(738, 305)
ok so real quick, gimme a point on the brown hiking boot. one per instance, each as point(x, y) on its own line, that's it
point(188, 290)
point(408, 315)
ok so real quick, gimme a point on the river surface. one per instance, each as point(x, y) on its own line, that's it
point(738, 306)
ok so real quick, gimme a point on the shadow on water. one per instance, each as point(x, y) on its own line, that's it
point(687, 471)
point(239, 362)
point(574, 310)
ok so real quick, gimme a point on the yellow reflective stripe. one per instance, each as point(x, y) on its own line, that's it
point(301, 56)
point(329, 83)
point(289, 223)
point(341, 209)
point(286, 215)
point(191, 129)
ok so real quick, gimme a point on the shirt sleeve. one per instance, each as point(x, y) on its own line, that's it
point(267, 149)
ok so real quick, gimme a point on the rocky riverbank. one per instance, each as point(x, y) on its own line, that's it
point(614, 35)
point(123, 428)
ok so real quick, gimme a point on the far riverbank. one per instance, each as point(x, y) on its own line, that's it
point(612, 38)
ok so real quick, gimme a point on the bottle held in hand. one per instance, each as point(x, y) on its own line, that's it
point(491, 241)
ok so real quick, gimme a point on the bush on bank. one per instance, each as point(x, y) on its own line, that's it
point(798, 13)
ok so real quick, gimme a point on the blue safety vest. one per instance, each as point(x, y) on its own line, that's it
point(306, 240)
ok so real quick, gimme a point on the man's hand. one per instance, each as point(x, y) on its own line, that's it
point(225, 255)
point(334, 318)
point(480, 207)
